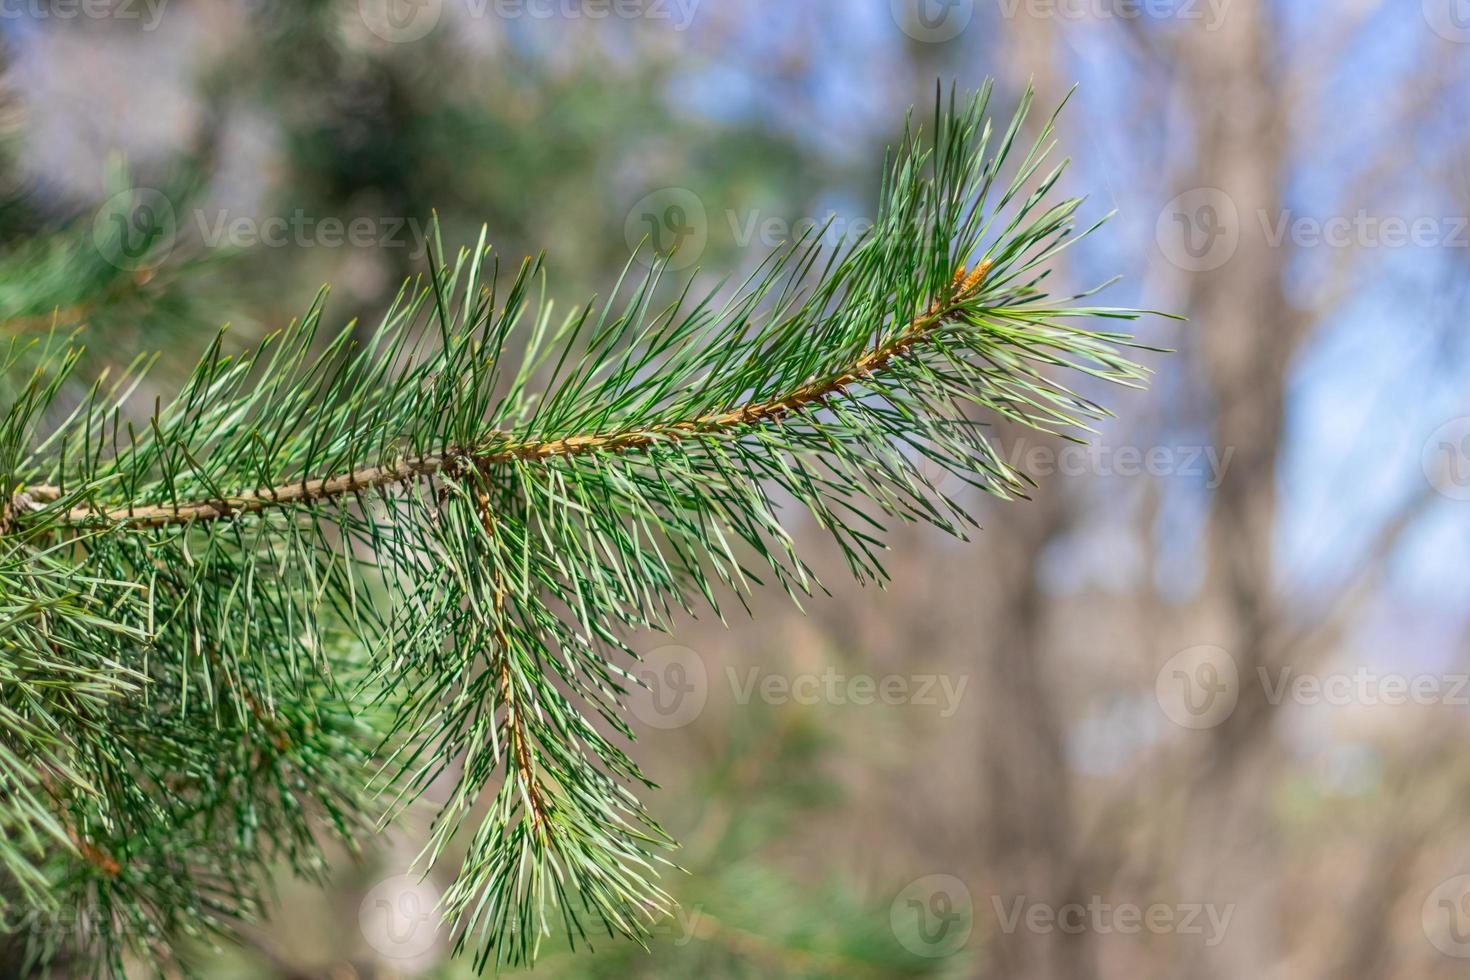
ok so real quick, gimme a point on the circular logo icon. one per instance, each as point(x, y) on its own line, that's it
point(1450, 19)
point(400, 21)
point(672, 223)
point(933, 916)
point(1199, 230)
point(932, 21)
point(1446, 459)
point(1446, 917)
point(399, 920)
point(135, 229)
point(1198, 687)
point(673, 687)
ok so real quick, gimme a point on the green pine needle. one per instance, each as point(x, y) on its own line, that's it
point(327, 575)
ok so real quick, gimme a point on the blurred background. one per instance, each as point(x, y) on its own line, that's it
point(1198, 709)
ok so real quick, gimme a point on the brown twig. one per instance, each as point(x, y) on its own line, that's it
point(520, 749)
point(90, 852)
point(962, 287)
point(263, 715)
point(77, 312)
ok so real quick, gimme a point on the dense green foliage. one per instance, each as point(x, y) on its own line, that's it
point(343, 567)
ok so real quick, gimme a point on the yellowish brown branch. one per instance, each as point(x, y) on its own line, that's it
point(963, 286)
point(264, 716)
point(515, 716)
point(90, 852)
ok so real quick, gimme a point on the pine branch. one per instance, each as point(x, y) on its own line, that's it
point(963, 286)
point(324, 557)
